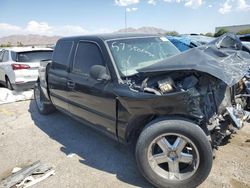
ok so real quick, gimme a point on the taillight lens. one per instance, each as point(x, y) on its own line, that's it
point(19, 66)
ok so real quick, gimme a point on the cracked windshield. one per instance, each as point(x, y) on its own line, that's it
point(135, 53)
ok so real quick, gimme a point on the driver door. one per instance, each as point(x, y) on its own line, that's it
point(91, 100)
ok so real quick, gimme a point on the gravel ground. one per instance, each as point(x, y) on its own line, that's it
point(26, 136)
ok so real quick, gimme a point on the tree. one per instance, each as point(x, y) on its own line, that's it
point(222, 31)
point(5, 45)
point(209, 34)
point(19, 44)
point(243, 32)
point(172, 33)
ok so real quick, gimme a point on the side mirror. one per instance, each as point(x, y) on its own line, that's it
point(99, 72)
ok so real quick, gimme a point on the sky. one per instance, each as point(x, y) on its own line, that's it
point(76, 17)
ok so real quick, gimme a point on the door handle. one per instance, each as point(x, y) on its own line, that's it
point(71, 84)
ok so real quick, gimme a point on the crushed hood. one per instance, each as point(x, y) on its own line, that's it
point(223, 58)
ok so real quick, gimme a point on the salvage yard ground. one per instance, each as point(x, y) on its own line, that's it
point(97, 161)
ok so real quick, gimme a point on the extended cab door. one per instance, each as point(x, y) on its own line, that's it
point(58, 74)
point(91, 100)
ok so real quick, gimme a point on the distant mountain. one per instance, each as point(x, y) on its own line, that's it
point(149, 30)
point(29, 40)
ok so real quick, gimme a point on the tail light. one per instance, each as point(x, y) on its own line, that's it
point(19, 66)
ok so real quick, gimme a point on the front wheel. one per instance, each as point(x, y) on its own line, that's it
point(174, 153)
point(42, 106)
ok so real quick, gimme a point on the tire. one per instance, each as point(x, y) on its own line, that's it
point(43, 107)
point(163, 162)
point(8, 84)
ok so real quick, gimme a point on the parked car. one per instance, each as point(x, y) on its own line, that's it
point(182, 43)
point(19, 66)
point(245, 37)
point(247, 44)
point(178, 107)
point(201, 39)
point(186, 42)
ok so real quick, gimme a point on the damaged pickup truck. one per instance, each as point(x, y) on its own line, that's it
point(178, 107)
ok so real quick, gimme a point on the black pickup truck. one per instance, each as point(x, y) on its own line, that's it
point(177, 106)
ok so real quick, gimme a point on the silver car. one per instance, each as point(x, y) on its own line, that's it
point(19, 66)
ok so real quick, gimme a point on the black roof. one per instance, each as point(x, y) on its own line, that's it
point(110, 36)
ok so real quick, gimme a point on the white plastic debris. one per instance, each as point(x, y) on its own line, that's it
point(16, 169)
point(30, 180)
point(8, 96)
point(27, 176)
point(70, 155)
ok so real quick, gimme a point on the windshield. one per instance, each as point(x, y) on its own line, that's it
point(33, 56)
point(135, 53)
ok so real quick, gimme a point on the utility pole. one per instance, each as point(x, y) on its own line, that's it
point(125, 19)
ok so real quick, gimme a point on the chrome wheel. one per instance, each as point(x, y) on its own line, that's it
point(173, 157)
point(38, 98)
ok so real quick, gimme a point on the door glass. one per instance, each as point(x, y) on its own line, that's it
point(62, 52)
point(87, 55)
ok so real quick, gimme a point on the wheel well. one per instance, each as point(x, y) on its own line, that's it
point(137, 124)
point(44, 83)
point(46, 78)
point(6, 79)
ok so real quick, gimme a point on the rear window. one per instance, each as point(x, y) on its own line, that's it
point(33, 56)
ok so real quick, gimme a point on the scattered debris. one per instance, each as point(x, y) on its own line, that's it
point(30, 180)
point(27, 176)
point(16, 169)
point(70, 155)
point(8, 96)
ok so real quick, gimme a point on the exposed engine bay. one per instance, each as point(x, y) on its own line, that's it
point(222, 107)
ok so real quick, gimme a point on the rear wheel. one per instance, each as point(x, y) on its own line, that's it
point(8, 84)
point(42, 105)
point(174, 153)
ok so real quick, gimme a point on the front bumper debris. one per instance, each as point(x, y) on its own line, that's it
point(238, 116)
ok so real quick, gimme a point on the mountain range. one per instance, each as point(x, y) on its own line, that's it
point(49, 40)
point(28, 40)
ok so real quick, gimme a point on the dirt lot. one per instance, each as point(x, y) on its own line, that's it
point(26, 136)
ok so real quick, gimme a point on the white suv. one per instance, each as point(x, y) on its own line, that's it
point(19, 66)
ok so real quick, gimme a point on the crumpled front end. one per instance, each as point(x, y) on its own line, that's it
point(206, 84)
